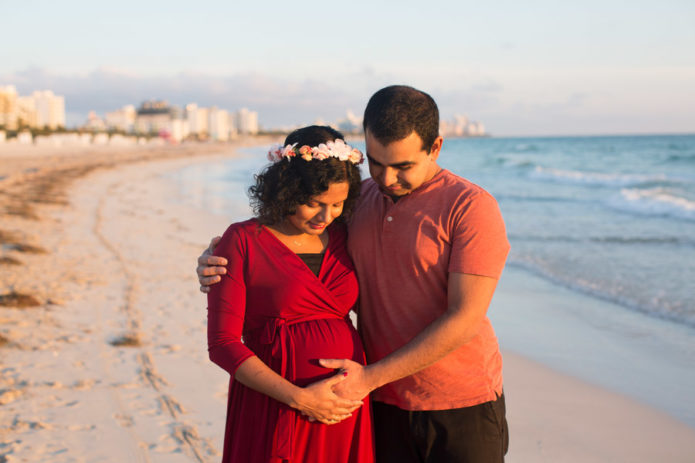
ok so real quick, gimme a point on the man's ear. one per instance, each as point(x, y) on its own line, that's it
point(436, 148)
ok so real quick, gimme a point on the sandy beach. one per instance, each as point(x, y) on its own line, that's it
point(102, 328)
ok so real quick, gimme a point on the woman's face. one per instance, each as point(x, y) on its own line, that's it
point(313, 217)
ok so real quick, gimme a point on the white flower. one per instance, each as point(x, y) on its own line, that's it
point(275, 153)
point(355, 156)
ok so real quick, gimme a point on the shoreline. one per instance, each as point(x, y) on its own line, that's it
point(602, 343)
point(120, 323)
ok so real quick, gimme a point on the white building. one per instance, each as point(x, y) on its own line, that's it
point(50, 109)
point(198, 120)
point(179, 130)
point(475, 129)
point(218, 123)
point(8, 106)
point(247, 121)
point(461, 126)
point(122, 119)
point(94, 123)
point(26, 111)
point(154, 117)
point(41, 109)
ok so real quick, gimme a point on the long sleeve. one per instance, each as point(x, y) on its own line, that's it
point(227, 306)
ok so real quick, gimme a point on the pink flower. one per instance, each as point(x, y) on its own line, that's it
point(355, 156)
point(304, 150)
point(341, 150)
point(288, 151)
point(321, 152)
point(275, 153)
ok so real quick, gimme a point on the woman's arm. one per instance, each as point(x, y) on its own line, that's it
point(317, 400)
point(226, 313)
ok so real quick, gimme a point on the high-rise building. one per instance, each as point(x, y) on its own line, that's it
point(247, 121)
point(50, 109)
point(154, 117)
point(198, 120)
point(8, 107)
point(218, 123)
point(41, 109)
point(475, 129)
point(26, 111)
point(461, 126)
point(94, 123)
point(121, 119)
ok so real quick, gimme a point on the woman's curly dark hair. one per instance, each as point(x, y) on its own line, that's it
point(284, 185)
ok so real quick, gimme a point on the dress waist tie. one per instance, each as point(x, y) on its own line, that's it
point(276, 334)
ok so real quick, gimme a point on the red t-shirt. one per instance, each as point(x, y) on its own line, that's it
point(403, 253)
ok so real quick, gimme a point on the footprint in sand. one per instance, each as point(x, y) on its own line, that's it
point(84, 384)
point(123, 420)
point(169, 349)
point(9, 395)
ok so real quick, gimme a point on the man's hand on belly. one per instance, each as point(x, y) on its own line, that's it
point(356, 385)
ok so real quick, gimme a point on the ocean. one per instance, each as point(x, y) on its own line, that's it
point(613, 217)
point(607, 223)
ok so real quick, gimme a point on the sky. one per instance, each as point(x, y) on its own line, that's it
point(522, 68)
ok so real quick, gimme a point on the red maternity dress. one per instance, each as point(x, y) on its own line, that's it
point(289, 318)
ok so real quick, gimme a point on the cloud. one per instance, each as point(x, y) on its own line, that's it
point(278, 101)
point(507, 104)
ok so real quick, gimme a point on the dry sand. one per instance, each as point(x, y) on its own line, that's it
point(102, 329)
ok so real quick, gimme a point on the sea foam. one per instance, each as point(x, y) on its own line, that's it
point(594, 178)
point(654, 201)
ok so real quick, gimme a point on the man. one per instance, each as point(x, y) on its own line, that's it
point(428, 247)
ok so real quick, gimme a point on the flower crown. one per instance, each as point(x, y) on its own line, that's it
point(332, 149)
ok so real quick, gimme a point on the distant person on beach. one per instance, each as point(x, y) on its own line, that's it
point(287, 288)
point(428, 247)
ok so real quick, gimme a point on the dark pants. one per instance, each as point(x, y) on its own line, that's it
point(475, 434)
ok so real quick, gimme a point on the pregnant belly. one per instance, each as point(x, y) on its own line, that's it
point(323, 339)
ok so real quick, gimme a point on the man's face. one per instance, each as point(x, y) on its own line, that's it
point(401, 166)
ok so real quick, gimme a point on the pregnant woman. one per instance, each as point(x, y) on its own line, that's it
point(287, 291)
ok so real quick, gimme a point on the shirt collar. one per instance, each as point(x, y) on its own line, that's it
point(425, 187)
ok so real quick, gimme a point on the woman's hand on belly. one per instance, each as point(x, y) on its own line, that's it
point(317, 401)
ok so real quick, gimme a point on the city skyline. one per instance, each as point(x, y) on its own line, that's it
point(533, 69)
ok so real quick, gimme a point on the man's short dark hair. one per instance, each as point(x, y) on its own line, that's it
point(395, 112)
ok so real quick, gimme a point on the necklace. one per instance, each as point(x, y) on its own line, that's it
point(284, 225)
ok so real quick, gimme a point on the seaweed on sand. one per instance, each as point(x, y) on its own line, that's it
point(18, 300)
point(126, 340)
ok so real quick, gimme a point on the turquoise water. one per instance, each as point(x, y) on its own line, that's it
point(613, 217)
